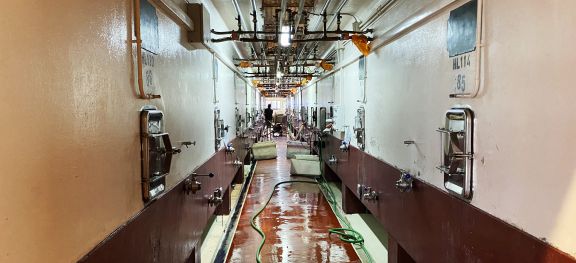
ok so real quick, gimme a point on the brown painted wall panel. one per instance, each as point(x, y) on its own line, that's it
point(169, 229)
point(431, 225)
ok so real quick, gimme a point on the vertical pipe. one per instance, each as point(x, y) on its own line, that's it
point(138, 47)
point(214, 78)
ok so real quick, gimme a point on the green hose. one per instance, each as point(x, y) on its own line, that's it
point(347, 234)
point(253, 220)
point(331, 198)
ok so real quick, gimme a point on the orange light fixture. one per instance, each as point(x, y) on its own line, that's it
point(245, 64)
point(326, 66)
point(361, 42)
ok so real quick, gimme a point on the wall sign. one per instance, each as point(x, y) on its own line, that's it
point(461, 45)
point(149, 27)
point(150, 45)
point(463, 73)
point(462, 29)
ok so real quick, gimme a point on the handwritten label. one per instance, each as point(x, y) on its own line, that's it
point(463, 72)
point(148, 72)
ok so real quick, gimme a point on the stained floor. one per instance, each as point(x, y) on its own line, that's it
point(296, 221)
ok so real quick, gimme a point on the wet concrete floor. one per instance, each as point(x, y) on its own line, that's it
point(296, 221)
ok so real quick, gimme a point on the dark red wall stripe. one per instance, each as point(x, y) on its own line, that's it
point(431, 225)
point(170, 228)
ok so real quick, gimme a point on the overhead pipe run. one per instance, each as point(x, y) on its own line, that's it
point(241, 21)
point(299, 15)
point(413, 22)
point(302, 75)
point(322, 11)
point(343, 34)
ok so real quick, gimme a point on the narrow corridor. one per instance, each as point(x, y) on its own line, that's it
point(296, 221)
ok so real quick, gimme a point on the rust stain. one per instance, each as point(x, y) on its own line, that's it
point(296, 221)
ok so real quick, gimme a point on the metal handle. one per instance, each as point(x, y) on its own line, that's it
point(333, 159)
point(461, 155)
point(444, 130)
point(461, 95)
point(208, 175)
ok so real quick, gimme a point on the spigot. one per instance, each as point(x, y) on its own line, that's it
point(172, 150)
point(192, 186)
point(194, 175)
point(332, 160)
point(230, 148)
point(344, 146)
point(366, 193)
point(176, 150)
point(216, 198)
point(404, 184)
point(369, 194)
point(409, 142)
point(188, 143)
point(360, 190)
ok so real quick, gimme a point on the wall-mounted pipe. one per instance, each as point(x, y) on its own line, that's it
point(372, 18)
point(176, 13)
point(381, 10)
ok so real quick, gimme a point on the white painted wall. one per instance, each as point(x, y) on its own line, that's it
point(71, 153)
point(525, 172)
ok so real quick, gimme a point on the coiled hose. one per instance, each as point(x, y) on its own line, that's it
point(346, 234)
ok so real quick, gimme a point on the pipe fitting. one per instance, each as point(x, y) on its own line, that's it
point(404, 184)
point(216, 198)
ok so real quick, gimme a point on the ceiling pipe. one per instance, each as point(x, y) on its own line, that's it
point(255, 10)
point(283, 6)
point(374, 16)
point(338, 10)
point(322, 11)
point(299, 14)
point(383, 8)
point(242, 19)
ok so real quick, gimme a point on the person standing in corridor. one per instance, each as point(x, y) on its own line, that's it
point(268, 112)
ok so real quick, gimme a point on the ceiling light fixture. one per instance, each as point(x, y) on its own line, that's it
point(285, 39)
